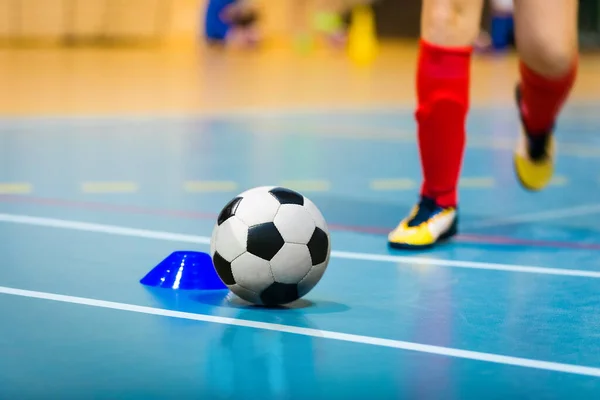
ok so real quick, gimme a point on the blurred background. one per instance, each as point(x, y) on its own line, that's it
point(107, 56)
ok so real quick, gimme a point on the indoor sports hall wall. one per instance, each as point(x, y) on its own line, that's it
point(401, 19)
point(175, 20)
point(181, 20)
point(52, 19)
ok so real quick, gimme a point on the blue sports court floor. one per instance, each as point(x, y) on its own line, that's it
point(509, 310)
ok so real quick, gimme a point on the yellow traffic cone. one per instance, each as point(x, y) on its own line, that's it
point(362, 35)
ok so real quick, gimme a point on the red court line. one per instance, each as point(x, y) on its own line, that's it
point(132, 209)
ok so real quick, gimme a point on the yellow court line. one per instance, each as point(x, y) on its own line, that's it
point(16, 188)
point(559, 181)
point(484, 182)
point(307, 185)
point(209, 186)
point(393, 184)
point(109, 187)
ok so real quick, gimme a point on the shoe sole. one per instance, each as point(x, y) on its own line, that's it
point(453, 231)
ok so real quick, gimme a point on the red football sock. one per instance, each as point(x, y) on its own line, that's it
point(443, 102)
point(542, 98)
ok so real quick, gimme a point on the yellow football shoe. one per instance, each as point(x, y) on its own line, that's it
point(426, 225)
point(534, 156)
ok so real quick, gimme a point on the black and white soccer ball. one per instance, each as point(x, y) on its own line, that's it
point(270, 245)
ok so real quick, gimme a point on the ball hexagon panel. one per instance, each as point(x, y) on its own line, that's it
point(252, 272)
point(294, 223)
point(264, 240)
point(312, 278)
point(291, 263)
point(259, 189)
point(287, 196)
point(257, 207)
point(229, 210)
point(223, 268)
point(279, 293)
point(213, 240)
point(231, 238)
point(316, 215)
point(245, 294)
point(318, 246)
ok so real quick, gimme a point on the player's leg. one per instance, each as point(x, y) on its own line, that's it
point(448, 31)
point(546, 37)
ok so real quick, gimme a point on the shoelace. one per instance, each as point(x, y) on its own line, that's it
point(427, 207)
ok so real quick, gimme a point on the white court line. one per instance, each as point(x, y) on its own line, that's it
point(579, 211)
point(182, 238)
point(316, 333)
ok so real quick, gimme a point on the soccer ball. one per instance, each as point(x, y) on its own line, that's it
point(270, 245)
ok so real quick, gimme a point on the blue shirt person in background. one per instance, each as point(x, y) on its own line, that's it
point(223, 17)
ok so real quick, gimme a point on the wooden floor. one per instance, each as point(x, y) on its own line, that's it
point(108, 81)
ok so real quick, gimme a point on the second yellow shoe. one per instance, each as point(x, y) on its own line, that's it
point(534, 156)
point(426, 225)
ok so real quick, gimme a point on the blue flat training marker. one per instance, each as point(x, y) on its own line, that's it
point(185, 270)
